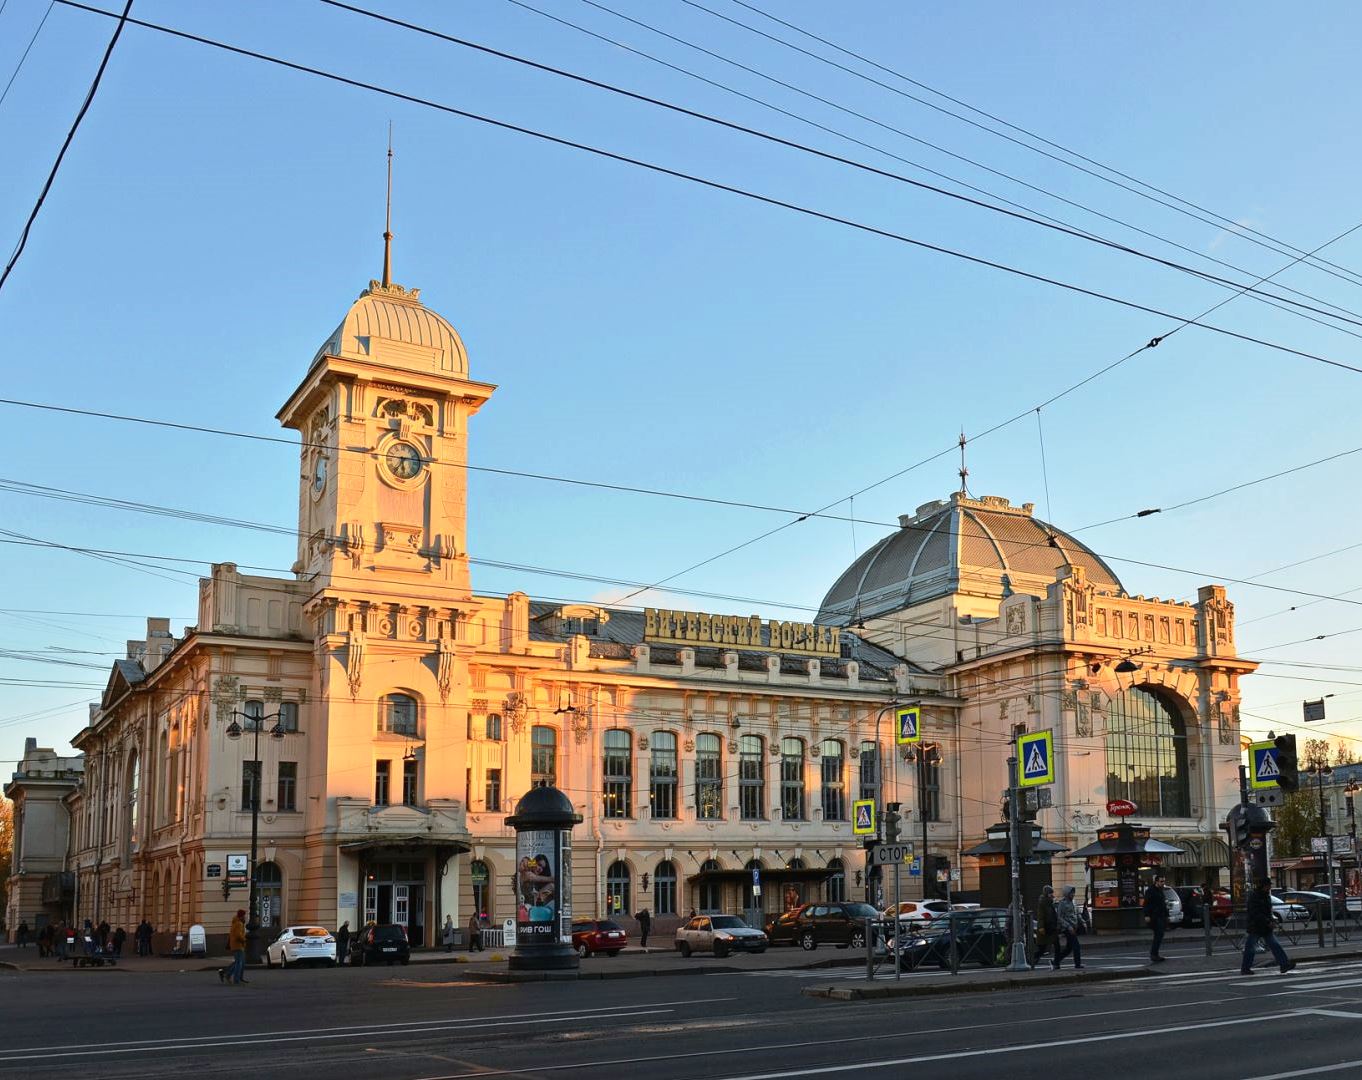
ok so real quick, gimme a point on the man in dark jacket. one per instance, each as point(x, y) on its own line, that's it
point(1262, 925)
point(1156, 916)
point(1047, 925)
point(645, 923)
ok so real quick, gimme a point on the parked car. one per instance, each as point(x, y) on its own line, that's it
point(918, 911)
point(1284, 912)
point(1174, 905)
point(783, 929)
point(1316, 903)
point(593, 936)
point(1193, 899)
point(982, 939)
point(841, 924)
point(719, 934)
point(1222, 906)
point(302, 945)
point(383, 944)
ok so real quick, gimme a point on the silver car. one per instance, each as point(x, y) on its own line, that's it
point(1174, 906)
point(719, 934)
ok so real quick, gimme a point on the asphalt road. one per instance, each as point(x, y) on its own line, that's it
point(413, 1024)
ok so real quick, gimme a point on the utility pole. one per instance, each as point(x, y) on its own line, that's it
point(1018, 961)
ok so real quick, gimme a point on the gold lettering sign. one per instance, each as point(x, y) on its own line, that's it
point(668, 627)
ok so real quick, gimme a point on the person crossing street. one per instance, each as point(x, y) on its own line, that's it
point(1066, 915)
point(1156, 916)
point(1261, 925)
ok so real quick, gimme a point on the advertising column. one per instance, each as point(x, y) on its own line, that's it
point(543, 821)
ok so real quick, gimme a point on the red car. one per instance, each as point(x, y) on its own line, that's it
point(598, 936)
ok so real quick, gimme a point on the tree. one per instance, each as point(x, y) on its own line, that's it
point(6, 851)
point(1297, 821)
point(1316, 753)
point(1345, 754)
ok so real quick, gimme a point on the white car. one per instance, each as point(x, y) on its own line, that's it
point(919, 912)
point(302, 945)
point(719, 934)
point(1285, 912)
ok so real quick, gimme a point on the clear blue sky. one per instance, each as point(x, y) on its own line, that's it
point(216, 216)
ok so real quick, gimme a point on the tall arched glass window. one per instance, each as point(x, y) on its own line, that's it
point(618, 770)
point(752, 778)
point(709, 777)
point(134, 782)
point(663, 775)
point(711, 891)
point(544, 755)
point(750, 902)
point(837, 884)
point(1147, 754)
point(833, 765)
point(664, 888)
point(617, 889)
point(269, 893)
point(398, 715)
point(792, 779)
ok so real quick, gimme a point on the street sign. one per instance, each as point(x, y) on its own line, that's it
point(908, 725)
point(214, 869)
point(238, 867)
point(863, 817)
point(1263, 770)
point(756, 877)
point(1314, 710)
point(891, 854)
point(1320, 844)
point(1036, 752)
point(915, 868)
point(1121, 808)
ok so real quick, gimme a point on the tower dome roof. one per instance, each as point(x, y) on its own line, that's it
point(982, 547)
point(389, 325)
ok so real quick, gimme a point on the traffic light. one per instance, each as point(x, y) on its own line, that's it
point(892, 817)
point(1288, 777)
point(1026, 839)
point(1029, 806)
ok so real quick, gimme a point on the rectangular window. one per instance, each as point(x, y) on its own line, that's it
point(494, 727)
point(618, 770)
point(834, 793)
point(250, 784)
point(709, 778)
point(870, 771)
point(663, 775)
point(409, 776)
point(382, 771)
point(493, 803)
point(792, 780)
point(288, 716)
point(751, 778)
point(255, 714)
point(288, 786)
point(544, 756)
point(931, 793)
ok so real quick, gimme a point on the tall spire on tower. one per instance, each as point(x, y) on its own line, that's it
point(388, 219)
point(964, 472)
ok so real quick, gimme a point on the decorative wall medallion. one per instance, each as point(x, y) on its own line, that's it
point(417, 629)
point(1016, 620)
point(815, 751)
point(732, 746)
point(385, 626)
point(643, 742)
point(689, 745)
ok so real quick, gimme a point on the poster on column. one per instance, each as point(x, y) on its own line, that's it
point(537, 887)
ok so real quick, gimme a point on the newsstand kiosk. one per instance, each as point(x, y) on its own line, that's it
point(1119, 864)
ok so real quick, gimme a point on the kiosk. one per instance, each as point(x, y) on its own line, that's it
point(1119, 864)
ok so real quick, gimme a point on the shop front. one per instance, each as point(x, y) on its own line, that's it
point(399, 883)
point(1122, 863)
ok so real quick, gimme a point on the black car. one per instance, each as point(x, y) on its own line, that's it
point(1193, 904)
point(981, 939)
point(841, 924)
point(385, 944)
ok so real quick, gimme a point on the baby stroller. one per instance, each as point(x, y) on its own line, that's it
point(93, 955)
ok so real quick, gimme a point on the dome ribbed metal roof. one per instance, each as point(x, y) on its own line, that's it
point(391, 325)
point(982, 546)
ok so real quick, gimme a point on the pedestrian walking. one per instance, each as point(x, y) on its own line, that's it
point(236, 945)
point(343, 942)
point(448, 934)
point(119, 936)
point(1047, 925)
point(645, 923)
point(60, 939)
point(21, 934)
point(1067, 917)
point(474, 933)
point(102, 934)
point(1156, 916)
point(1262, 925)
point(143, 934)
point(45, 940)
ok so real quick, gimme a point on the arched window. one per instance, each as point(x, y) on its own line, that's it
point(751, 778)
point(397, 715)
point(255, 713)
point(836, 889)
point(833, 765)
point(750, 902)
point(617, 767)
point(664, 888)
point(1147, 754)
point(130, 833)
point(544, 755)
point(662, 775)
point(481, 879)
point(494, 727)
point(709, 777)
point(269, 893)
point(617, 889)
point(711, 891)
point(792, 779)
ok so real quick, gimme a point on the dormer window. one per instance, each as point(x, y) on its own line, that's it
point(577, 625)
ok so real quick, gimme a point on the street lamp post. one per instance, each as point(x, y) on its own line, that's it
point(1320, 772)
point(234, 732)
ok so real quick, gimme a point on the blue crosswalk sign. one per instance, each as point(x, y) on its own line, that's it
point(1263, 769)
point(863, 817)
point(1036, 755)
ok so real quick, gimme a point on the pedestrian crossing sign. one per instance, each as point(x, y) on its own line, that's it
point(863, 817)
point(1263, 770)
point(1036, 755)
point(908, 724)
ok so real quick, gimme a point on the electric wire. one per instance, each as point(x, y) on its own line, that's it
point(27, 49)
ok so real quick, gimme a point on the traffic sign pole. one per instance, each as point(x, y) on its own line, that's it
point(898, 926)
point(1018, 962)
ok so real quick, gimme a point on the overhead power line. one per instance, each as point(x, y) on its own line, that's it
point(716, 185)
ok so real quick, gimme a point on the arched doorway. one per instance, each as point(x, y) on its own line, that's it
point(480, 876)
point(269, 894)
point(618, 898)
point(711, 892)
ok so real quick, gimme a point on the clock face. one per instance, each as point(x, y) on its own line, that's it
point(404, 461)
point(319, 476)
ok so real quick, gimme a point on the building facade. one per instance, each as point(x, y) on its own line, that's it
point(398, 715)
point(41, 887)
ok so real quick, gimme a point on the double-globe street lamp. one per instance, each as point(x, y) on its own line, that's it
point(1321, 772)
point(256, 722)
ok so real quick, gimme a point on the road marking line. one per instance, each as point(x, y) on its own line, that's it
point(1316, 987)
point(621, 1013)
point(956, 1055)
point(1336, 1012)
point(1309, 1072)
point(584, 1013)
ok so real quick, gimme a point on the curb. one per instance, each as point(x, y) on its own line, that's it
point(874, 993)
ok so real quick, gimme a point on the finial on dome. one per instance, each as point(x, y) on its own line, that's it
point(964, 472)
point(388, 217)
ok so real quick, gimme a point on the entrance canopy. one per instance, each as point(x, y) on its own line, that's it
point(441, 846)
point(774, 876)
